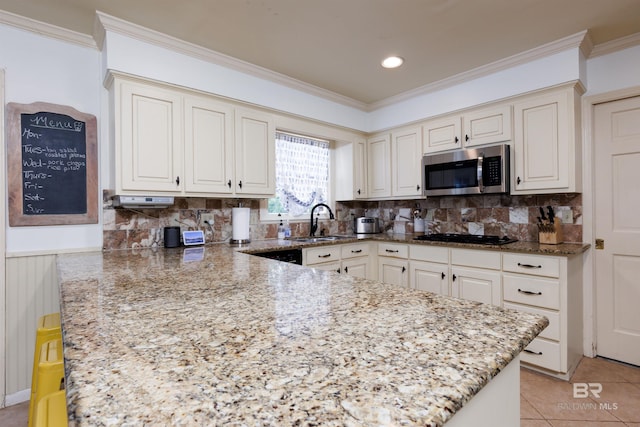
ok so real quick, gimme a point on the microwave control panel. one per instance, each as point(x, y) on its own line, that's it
point(492, 171)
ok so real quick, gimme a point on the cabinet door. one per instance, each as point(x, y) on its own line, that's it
point(379, 166)
point(476, 285)
point(442, 134)
point(406, 157)
point(428, 276)
point(394, 271)
point(149, 139)
point(544, 134)
point(360, 169)
point(255, 149)
point(487, 126)
point(208, 146)
point(357, 267)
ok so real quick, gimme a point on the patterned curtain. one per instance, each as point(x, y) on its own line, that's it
point(302, 177)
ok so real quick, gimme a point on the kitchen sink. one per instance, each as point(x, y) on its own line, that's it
point(312, 239)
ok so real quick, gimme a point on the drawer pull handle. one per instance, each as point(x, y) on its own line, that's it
point(537, 353)
point(529, 266)
point(392, 251)
point(324, 256)
point(529, 292)
point(356, 252)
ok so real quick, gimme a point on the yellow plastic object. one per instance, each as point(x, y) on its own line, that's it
point(48, 328)
point(50, 374)
point(51, 411)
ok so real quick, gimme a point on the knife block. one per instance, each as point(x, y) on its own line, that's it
point(550, 234)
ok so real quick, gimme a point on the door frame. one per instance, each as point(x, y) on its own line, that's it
point(589, 103)
point(3, 246)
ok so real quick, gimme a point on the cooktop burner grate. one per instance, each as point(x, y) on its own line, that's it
point(466, 238)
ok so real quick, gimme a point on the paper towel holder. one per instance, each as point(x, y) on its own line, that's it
point(234, 240)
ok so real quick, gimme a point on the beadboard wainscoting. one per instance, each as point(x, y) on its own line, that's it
point(31, 291)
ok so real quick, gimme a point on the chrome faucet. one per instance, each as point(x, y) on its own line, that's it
point(313, 227)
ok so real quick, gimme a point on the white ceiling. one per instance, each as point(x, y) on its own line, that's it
point(337, 45)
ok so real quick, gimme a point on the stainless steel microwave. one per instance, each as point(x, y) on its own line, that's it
point(469, 171)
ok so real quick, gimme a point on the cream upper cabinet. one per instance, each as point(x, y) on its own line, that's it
point(442, 134)
point(350, 170)
point(487, 126)
point(255, 163)
point(173, 141)
point(149, 138)
point(208, 146)
point(406, 158)
point(474, 127)
point(379, 166)
point(545, 147)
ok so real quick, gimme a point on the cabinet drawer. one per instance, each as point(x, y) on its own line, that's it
point(393, 250)
point(531, 264)
point(533, 291)
point(321, 254)
point(429, 253)
point(552, 331)
point(480, 259)
point(543, 353)
point(355, 250)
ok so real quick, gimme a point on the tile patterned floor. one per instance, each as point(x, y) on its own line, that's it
point(544, 401)
point(548, 402)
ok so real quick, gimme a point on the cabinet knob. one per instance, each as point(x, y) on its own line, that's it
point(454, 277)
point(229, 183)
point(466, 137)
point(358, 191)
point(346, 270)
point(443, 275)
point(518, 181)
point(240, 184)
point(404, 269)
point(418, 187)
point(338, 270)
point(457, 140)
point(177, 180)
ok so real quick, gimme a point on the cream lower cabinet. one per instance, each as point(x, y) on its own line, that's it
point(429, 268)
point(475, 276)
point(393, 264)
point(355, 260)
point(552, 287)
point(323, 257)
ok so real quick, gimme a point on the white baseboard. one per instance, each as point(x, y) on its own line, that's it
point(19, 397)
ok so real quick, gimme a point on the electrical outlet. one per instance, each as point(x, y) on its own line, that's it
point(207, 218)
point(567, 216)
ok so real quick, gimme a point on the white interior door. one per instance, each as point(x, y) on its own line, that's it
point(617, 204)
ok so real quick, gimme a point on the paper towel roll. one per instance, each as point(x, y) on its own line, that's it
point(240, 224)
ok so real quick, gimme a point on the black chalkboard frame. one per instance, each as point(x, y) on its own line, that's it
point(15, 167)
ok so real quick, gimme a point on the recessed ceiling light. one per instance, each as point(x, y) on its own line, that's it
point(392, 62)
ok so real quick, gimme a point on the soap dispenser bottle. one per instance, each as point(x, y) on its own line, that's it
point(280, 229)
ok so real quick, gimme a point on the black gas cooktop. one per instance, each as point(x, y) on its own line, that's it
point(466, 238)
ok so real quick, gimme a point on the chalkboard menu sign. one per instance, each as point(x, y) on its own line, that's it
point(52, 165)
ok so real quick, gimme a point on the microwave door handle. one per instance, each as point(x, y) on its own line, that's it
point(480, 186)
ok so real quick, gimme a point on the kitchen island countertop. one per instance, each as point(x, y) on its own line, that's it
point(221, 337)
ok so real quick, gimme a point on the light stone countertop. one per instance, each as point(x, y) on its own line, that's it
point(158, 338)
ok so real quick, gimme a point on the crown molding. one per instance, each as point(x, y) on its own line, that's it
point(615, 45)
point(561, 45)
point(47, 30)
point(110, 23)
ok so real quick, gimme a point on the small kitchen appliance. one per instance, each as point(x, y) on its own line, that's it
point(171, 237)
point(366, 225)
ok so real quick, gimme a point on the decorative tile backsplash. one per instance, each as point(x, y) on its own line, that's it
point(497, 215)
